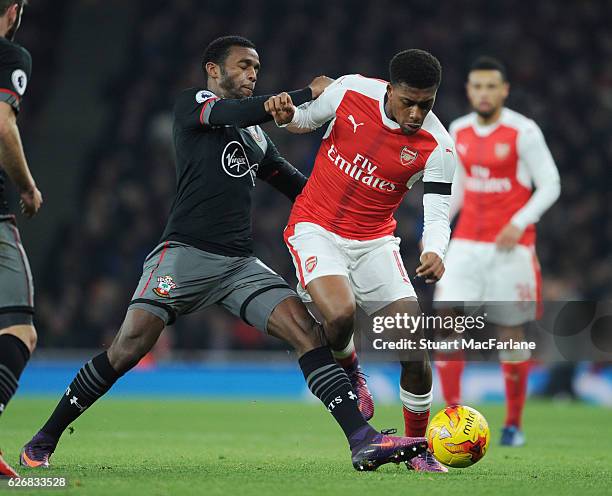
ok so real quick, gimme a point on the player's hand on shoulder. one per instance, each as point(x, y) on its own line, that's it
point(431, 268)
point(281, 108)
point(508, 237)
point(319, 84)
point(31, 201)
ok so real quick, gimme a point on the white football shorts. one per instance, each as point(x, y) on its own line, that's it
point(507, 284)
point(374, 267)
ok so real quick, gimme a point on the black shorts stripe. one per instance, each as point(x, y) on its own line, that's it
point(167, 308)
point(437, 188)
point(22, 309)
point(254, 295)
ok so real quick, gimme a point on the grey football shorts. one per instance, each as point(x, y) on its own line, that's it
point(16, 286)
point(178, 279)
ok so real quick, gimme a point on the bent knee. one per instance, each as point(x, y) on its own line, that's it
point(33, 339)
point(26, 333)
point(137, 336)
point(125, 354)
point(291, 322)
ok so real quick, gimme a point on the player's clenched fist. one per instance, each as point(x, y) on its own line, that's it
point(30, 202)
point(281, 108)
point(431, 268)
point(509, 237)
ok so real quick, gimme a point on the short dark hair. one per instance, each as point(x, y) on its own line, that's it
point(416, 68)
point(5, 4)
point(486, 63)
point(218, 50)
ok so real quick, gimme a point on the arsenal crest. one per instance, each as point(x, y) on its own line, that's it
point(502, 150)
point(407, 156)
point(310, 264)
point(165, 284)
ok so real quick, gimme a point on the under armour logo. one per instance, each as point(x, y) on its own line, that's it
point(352, 395)
point(75, 401)
point(1, 407)
point(355, 124)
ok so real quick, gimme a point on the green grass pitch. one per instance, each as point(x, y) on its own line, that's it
point(159, 447)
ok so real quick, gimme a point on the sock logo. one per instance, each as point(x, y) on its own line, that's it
point(336, 401)
point(1, 407)
point(352, 395)
point(75, 401)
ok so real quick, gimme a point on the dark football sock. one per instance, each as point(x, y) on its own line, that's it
point(14, 356)
point(94, 379)
point(331, 385)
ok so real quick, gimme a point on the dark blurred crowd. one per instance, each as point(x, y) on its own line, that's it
point(559, 59)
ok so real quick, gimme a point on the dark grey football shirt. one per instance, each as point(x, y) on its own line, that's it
point(216, 168)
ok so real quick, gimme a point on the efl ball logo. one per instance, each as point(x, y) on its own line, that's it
point(408, 156)
point(310, 264)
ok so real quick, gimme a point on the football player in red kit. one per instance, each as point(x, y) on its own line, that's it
point(506, 179)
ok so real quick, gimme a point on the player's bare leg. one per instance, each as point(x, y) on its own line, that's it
point(294, 325)
point(335, 301)
point(291, 322)
point(335, 305)
point(139, 332)
point(136, 337)
point(26, 333)
point(17, 343)
point(515, 367)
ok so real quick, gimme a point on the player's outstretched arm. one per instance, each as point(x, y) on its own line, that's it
point(312, 115)
point(195, 109)
point(12, 158)
point(247, 111)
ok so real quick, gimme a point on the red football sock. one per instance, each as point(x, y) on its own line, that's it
point(450, 368)
point(515, 376)
point(415, 423)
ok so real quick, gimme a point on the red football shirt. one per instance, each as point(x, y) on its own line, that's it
point(366, 164)
point(497, 166)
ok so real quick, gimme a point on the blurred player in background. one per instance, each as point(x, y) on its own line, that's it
point(382, 138)
point(205, 257)
point(17, 333)
point(492, 256)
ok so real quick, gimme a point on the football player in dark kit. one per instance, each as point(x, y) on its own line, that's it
point(17, 333)
point(205, 256)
